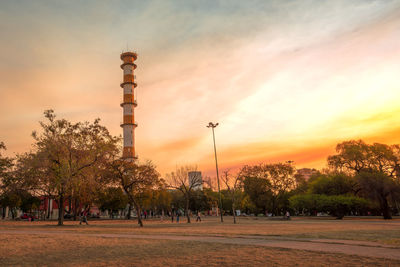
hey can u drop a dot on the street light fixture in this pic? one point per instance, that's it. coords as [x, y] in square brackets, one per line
[212, 126]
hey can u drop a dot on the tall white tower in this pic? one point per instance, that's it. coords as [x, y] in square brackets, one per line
[128, 104]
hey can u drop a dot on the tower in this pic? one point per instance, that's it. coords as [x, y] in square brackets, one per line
[128, 104]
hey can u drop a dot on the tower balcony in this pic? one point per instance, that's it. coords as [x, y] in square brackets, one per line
[130, 82]
[134, 103]
[128, 63]
[123, 123]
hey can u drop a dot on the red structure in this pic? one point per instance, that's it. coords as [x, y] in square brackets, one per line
[128, 104]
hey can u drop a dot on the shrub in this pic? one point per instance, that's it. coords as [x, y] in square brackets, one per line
[337, 206]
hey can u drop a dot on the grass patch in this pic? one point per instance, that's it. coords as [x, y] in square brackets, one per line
[68, 250]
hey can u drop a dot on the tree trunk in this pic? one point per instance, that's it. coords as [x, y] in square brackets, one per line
[385, 208]
[138, 211]
[48, 208]
[233, 211]
[187, 210]
[69, 205]
[139, 216]
[128, 216]
[76, 205]
[61, 210]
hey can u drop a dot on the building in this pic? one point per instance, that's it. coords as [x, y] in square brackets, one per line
[195, 180]
[128, 104]
[306, 173]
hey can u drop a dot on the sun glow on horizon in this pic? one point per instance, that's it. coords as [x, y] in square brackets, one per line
[286, 80]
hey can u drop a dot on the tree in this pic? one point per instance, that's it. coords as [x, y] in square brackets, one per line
[135, 179]
[29, 202]
[379, 186]
[6, 165]
[233, 184]
[6, 173]
[356, 156]
[67, 150]
[180, 180]
[334, 184]
[112, 199]
[32, 174]
[279, 180]
[163, 198]
[259, 192]
[337, 206]
[12, 200]
[374, 166]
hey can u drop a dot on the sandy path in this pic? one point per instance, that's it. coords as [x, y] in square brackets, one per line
[350, 247]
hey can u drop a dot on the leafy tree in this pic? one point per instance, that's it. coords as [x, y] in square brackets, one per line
[380, 187]
[6, 165]
[29, 202]
[278, 179]
[356, 156]
[334, 184]
[65, 151]
[112, 199]
[199, 201]
[163, 198]
[135, 179]
[374, 165]
[12, 200]
[259, 192]
[6, 175]
[212, 197]
[335, 205]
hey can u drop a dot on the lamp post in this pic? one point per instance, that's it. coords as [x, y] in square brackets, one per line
[212, 126]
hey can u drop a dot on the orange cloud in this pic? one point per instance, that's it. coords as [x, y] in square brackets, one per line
[182, 144]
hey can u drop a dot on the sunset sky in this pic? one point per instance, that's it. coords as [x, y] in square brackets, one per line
[286, 80]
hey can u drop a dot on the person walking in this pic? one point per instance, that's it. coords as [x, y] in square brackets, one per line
[177, 216]
[84, 217]
[198, 218]
[287, 215]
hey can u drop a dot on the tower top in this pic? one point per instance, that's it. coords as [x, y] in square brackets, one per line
[129, 54]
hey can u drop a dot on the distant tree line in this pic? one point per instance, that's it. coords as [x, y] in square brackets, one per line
[80, 164]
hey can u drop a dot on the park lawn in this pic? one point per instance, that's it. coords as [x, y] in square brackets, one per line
[387, 237]
[376, 230]
[70, 250]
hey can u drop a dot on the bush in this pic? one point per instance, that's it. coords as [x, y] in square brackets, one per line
[337, 206]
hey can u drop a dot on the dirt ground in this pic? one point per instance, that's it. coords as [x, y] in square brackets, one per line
[209, 243]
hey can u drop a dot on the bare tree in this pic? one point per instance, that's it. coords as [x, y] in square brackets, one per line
[181, 181]
[233, 184]
[210, 182]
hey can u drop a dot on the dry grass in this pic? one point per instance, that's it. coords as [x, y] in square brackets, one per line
[70, 250]
[387, 232]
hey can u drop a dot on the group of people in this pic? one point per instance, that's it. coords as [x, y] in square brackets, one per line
[178, 213]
